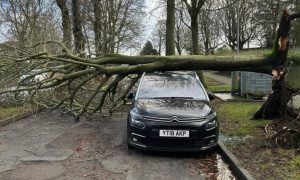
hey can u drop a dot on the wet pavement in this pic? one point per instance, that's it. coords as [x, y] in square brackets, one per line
[53, 146]
[230, 98]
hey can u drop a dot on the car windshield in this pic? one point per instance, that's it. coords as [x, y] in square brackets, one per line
[170, 85]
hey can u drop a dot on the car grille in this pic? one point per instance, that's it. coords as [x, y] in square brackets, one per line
[173, 119]
[175, 143]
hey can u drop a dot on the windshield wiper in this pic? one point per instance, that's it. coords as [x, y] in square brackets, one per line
[172, 97]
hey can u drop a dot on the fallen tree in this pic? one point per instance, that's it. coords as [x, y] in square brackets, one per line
[71, 74]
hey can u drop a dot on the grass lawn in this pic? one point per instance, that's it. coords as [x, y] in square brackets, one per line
[262, 161]
[237, 115]
[219, 88]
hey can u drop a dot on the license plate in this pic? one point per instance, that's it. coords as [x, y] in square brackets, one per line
[174, 133]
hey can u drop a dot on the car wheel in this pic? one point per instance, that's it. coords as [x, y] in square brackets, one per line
[128, 135]
[129, 146]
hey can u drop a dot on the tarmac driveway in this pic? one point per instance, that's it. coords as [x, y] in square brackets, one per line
[53, 146]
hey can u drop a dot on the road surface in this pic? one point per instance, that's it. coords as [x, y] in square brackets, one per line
[53, 146]
[226, 80]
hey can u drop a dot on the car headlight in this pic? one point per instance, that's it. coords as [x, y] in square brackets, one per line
[211, 116]
[136, 120]
[212, 121]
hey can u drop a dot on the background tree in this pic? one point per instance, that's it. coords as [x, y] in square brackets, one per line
[79, 40]
[116, 24]
[210, 30]
[170, 28]
[243, 11]
[182, 32]
[159, 35]
[297, 25]
[66, 23]
[148, 49]
[27, 22]
[193, 9]
[268, 15]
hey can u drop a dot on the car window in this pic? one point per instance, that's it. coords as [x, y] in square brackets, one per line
[170, 85]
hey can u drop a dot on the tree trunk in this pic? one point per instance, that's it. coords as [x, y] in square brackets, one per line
[111, 26]
[271, 41]
[66, 23]
[170, 28]
[79, 40]
[194, 10]
[195, 36]
[195, 39]
[97, 26]
[160, 43]
[276, 105]
[297, 26]
[177, 42]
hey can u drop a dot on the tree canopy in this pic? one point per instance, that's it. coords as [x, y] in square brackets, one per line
[148, 49]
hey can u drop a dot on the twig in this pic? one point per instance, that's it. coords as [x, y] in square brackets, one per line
[288, 127]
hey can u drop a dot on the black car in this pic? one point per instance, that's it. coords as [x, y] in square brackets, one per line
[171, 111]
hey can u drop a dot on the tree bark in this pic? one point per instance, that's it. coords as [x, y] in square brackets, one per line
[97, 26]
[170, 28]
[79, 40]
[297, 26]
[159, 43]
[66, 23]
[194, 10]
[195, 31]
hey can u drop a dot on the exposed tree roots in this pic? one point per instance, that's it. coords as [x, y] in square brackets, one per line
[276, 104]
[284, 131]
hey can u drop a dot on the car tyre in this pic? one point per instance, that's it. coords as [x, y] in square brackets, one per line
[129, 146]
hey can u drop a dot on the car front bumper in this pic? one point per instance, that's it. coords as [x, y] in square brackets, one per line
[149, 139]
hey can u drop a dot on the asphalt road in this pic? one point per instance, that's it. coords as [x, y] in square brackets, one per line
[53, 146]
[218, 77]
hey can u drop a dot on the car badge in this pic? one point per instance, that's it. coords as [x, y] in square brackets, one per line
[175, 118]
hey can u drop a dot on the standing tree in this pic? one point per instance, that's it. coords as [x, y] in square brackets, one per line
[297, 26]
[209, 28]
[79, 40]
[116, 24]
[238, 17]
[194, 11]
[66, 23]
[159, 35]
[148, 49]
[182, 38]
[267, 16]
[25, 23]
[170, 28]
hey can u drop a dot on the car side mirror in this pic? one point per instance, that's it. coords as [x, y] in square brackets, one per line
[131, 95]
[211, 96]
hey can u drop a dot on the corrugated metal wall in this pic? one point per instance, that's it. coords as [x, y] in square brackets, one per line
[250, 83]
